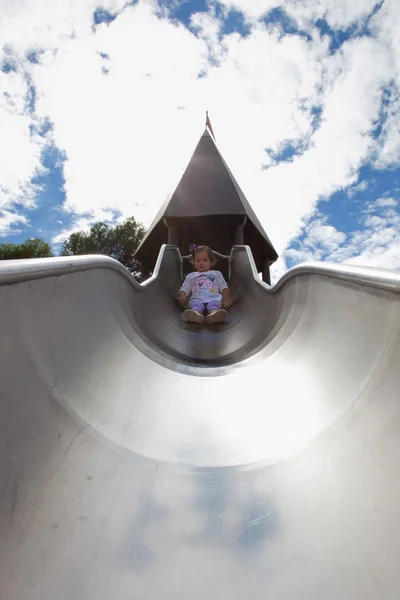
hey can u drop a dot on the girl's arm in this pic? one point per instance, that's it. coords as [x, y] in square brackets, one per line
[223, 287]
[185, 290]
[226, 298]
[182, 297]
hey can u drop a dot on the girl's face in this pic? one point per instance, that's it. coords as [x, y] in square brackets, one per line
[202, 262]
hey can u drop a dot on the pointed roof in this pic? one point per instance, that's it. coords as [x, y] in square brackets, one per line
[207, 188]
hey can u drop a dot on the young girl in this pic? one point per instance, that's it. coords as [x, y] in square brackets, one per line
[208, 289]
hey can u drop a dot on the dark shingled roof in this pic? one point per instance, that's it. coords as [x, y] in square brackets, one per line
[207, 189]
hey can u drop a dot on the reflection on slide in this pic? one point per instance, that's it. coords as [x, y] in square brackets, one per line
[144, 457]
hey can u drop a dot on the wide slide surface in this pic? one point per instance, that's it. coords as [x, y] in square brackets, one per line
[145, 458]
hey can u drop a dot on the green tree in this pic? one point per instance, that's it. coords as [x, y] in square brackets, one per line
[119, 242]
[32, 248]
[126, 239]
[97, 241]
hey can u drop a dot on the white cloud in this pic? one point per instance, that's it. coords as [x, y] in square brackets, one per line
[123, 135]
[386, 26]
[9, 222]
[389, 143]
[117, 133]
[252, 9]
[208, 26]
[387, 257]
[374, 221]
[351, 103]
[386, 202]
[375, 243]
[359, 187]
[297, 255]
[278, 269]
[20, 149]
[128, 123]
[84, 224]
[320, 241]
[81, 224]
[47, 24]
[325, 235]
[340, 14]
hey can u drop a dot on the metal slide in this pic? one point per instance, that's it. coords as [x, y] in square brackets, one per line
[145, 458]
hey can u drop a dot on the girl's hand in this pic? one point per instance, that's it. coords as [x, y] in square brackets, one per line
[182, 300]
[226, 304]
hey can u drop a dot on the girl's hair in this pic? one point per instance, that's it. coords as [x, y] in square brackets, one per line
[196, 249]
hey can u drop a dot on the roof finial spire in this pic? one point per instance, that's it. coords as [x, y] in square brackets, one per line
[209, 126]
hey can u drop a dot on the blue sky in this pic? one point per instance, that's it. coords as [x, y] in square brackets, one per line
[103, 103]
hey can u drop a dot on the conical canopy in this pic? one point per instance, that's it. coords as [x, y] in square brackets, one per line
[207, 207]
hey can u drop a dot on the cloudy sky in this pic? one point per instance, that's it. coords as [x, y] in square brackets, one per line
[102, 104]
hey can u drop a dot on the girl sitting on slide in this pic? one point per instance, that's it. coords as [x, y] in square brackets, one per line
[208, 290]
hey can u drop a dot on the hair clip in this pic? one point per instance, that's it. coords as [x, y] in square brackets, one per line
[192, 247]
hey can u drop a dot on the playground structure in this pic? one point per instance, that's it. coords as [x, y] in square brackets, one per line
[143, 457]
[208, 207]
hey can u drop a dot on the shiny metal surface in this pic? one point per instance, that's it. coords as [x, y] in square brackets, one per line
[142, 457]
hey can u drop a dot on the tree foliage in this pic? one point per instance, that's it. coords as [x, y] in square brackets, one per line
[32, 248]
[119, 242]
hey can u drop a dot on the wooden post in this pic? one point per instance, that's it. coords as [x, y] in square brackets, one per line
[172, 234]
[145, 273]
[266, 275]
[239, 233]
